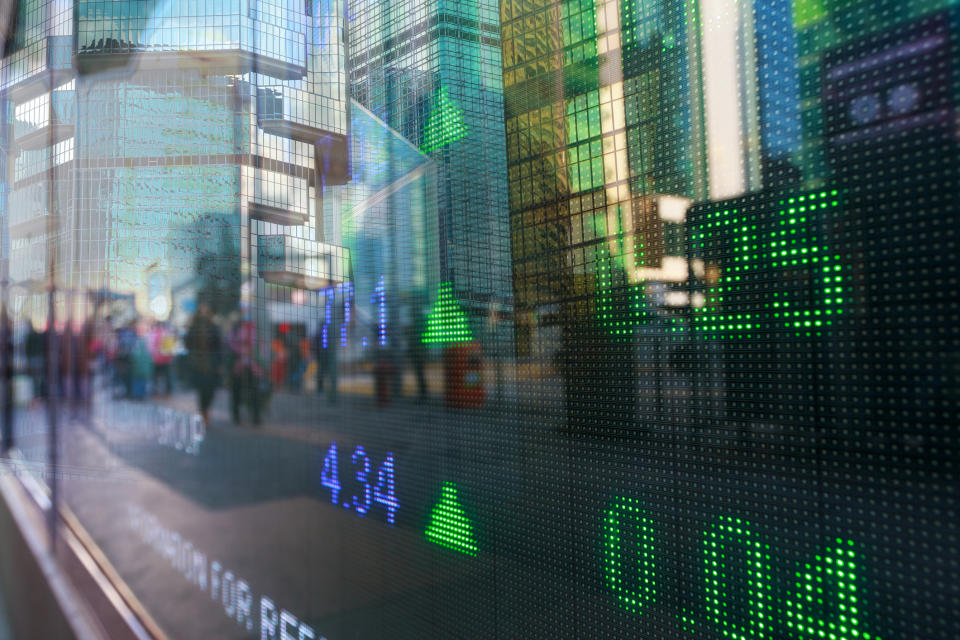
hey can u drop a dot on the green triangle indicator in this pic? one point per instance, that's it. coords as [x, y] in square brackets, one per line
[449, 525]
[807, 12]
[444, 124]
[447, 322]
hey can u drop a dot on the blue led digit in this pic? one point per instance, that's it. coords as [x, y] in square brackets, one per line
[363, 473]
[379, 298]
[384, 491]
[347, 289]
[329, 476]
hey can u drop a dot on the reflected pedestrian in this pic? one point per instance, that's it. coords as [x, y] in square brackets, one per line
[295, 362]
[35, 347]
[126, 339]
[246, 375]
[82, 350]
[278, 364]
[325, 351]
[6, 379]
[141, 366]
[203, 357]
[163, 345]
[417, 354]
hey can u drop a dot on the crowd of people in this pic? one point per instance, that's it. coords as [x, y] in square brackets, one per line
[138, 358]
[141, 358]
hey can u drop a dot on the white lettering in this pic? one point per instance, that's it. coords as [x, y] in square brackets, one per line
[214, 578]
[268, 619]
[244, 601]
[232, 591]
[198, 432]
[184, 564]
[287, 619]
[229, 597]
[200, 569]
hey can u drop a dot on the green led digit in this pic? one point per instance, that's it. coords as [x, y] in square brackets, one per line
[623, 515]
[620, 308]
[825, 603]
[731, 540]
[791, 247]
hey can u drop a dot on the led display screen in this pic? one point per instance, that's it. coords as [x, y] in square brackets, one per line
[518, 319]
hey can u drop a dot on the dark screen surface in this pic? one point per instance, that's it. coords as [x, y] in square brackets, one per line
[613, 319]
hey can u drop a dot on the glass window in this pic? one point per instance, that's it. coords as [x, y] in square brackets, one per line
[349, 319]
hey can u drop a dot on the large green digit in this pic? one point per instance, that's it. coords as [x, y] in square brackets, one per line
[778, 243]
[794, 248]
[731, 540]
[632, 590]
[825, 603]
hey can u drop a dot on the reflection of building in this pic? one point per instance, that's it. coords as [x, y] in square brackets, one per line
[822, 25]
[165, 128]
[890, 107]
[616, 121]
[432, 72]
[385, 217]
[611, 109]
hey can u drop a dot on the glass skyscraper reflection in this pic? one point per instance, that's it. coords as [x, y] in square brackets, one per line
[431, 70]
[190, 118]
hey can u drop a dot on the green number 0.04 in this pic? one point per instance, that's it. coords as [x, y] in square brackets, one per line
[824, 603]
[624, 513]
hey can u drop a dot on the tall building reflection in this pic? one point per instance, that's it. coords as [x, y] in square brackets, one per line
[174, 135]
[431, 71]
[619, 116]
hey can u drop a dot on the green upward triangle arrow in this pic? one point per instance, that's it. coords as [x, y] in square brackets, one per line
[447, 322]
[444, 124]
[449, 525]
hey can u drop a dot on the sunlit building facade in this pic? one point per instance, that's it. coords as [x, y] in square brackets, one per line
[185, 139]
[609, 125]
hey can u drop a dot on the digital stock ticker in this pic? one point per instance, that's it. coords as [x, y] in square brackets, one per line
[409, 319]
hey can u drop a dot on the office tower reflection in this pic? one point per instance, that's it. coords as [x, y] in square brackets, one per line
[432, 73]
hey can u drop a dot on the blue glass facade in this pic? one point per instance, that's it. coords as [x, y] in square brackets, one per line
[435, 66]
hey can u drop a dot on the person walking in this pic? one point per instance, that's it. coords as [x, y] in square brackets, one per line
[417, 354]
[162, 347]
[295, 361]
[246, 374]
[35, 348]
[325, 352]
[203, 357]
[126, 340]
[141, 365]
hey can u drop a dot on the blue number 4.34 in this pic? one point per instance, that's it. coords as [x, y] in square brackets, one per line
[383, 492]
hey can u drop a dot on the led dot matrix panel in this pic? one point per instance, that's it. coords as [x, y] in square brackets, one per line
[560, 319]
